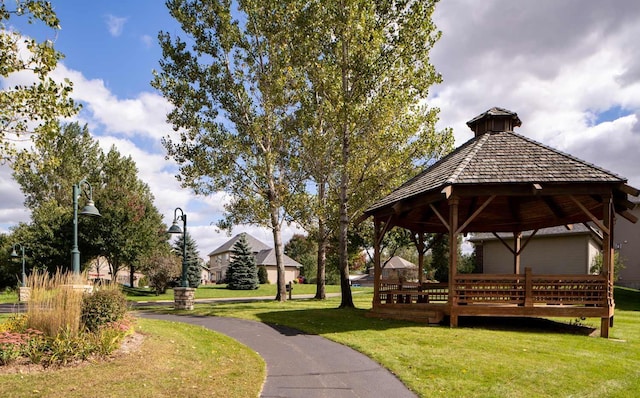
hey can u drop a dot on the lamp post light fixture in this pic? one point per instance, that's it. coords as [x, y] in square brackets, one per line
[88, 210]
[14, 254]
[175, 229]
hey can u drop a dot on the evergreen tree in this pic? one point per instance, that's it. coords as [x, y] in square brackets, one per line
[194, 275]
[263, 275]
[243, 272]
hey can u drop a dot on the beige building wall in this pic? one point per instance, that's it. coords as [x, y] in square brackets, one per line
[290, 274]
[218, 265]
[627, 237]
[544, 255]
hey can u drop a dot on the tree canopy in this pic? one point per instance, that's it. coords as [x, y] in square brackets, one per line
[229, 78]
[30, 109]
[130, 227]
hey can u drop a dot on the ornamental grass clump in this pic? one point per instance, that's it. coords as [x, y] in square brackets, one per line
[64, 323]
[55, 303]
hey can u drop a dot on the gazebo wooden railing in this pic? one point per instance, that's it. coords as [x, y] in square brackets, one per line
[502, 295]
[529, 290]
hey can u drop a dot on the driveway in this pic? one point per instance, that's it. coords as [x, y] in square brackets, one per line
[303, 365]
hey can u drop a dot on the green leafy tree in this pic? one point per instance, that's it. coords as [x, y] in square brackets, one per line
[161, 268]
[194, 273]
[130, 227]
[618, 265]
[30, 110]
[303, 250]
[232, 87]
[242, 273]
[46, 176]
[368, 74]
[263, 275]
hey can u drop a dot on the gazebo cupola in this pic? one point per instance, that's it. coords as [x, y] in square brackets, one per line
[494, 120]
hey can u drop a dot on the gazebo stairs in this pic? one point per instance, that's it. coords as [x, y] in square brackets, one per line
[422, 313]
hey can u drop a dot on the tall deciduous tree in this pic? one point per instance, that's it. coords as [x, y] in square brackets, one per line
[232, 86]
[194, 273]
[369, 74]
[130, 226]
[30, 109]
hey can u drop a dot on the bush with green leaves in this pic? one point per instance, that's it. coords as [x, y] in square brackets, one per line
[263, 276]
[102, 307]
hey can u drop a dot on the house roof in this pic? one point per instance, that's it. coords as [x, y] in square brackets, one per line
[268, 257]
[501, 158]
[397, 262]
[578, 229]
[255, 245]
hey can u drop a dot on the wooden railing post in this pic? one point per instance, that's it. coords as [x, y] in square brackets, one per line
[528, 287]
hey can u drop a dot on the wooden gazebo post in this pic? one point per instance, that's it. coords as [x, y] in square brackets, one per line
[453, 259]
[607, 262]
[377, 238]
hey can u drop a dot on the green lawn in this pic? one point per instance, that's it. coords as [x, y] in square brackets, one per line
[175, 359]
[494, 360]
[221, 291]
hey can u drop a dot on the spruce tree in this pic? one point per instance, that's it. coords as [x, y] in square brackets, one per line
[194, 274]
[243, 272]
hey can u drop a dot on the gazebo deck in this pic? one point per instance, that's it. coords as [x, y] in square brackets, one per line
[496, 295]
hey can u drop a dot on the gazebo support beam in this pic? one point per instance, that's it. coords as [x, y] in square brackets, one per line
[453, 259]
[607, 263]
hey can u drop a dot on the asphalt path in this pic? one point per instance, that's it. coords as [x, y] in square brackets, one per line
[303, 365]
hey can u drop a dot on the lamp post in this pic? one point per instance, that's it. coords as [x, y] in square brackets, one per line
[14, 254]
[175, 229]
[88, 210]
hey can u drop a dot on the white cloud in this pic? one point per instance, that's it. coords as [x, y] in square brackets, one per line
[557, 64]
[115, 24]
[147, 41]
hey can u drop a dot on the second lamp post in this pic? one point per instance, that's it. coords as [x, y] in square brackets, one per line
[89, 210]
[175, 229]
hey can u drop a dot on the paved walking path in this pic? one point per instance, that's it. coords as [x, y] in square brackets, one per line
[303, 365]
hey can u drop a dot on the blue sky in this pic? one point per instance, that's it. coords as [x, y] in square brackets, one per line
[570, 69]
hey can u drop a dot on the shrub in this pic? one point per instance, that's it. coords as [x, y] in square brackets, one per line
[263, 276]
[102, 307]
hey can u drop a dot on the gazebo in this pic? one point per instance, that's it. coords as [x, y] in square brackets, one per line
[501, 181]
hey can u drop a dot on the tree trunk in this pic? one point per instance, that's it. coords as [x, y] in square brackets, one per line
[322, 240]
[132, 271]
[281, 293]
[345, 286]
[322, 262]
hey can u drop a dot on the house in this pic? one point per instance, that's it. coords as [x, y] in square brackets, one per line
[98, 269]
[220, 258]
[550, 251]
[397, 268]
[627, 243]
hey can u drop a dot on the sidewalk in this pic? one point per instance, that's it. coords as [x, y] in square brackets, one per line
[302, 365]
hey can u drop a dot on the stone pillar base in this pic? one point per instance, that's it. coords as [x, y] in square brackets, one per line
[183, 298]
[24, 293]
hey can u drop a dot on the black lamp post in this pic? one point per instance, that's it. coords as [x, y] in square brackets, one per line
[14, 254]
[89, 210]
[175, 229]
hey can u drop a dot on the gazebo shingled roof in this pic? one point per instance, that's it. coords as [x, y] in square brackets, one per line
[500, 181]
[538, 180]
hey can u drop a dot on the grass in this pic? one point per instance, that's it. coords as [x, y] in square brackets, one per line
[221, 291]
[473, 361]
[175, 360]
[497, 359]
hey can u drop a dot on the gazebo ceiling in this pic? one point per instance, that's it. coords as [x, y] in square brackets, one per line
[527, 185]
